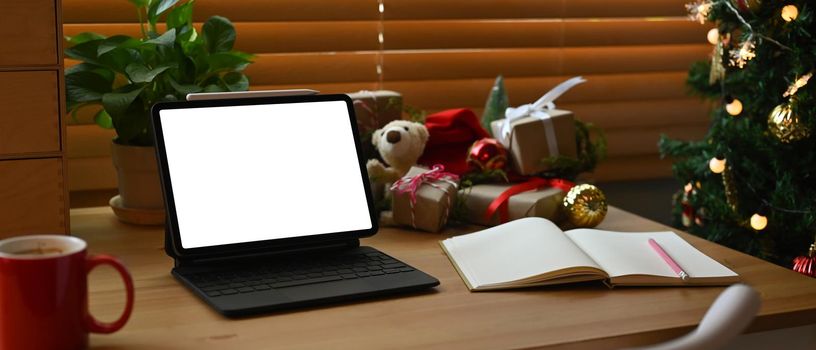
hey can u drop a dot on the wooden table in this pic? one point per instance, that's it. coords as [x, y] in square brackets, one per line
[168, 316]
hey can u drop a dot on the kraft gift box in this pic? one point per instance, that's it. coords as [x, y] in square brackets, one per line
[528, 144]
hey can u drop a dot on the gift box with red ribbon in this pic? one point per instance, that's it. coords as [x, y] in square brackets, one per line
[493, 204]
[423, 198]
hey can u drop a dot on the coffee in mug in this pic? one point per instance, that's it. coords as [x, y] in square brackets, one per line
[44, 293]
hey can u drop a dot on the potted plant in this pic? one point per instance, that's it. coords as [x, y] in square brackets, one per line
[126, 76]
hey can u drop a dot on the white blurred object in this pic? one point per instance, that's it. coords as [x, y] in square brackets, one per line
[727, 317]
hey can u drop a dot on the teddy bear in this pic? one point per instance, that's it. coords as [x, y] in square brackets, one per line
[400, 143]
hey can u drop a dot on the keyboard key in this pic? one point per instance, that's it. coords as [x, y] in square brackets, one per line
[393, 266]
[348, 276]
[229, 291]
[214, 293]
[284, 279]
[214, 287]
[252, 283]
[304, 282]
[246, 289]
[406, 269]
[236, 285]
[330, 273]
[363, 274]
[391, 271]
[389, 261]
[345, 271]
[360, 269]
[314, 275]
[373, 268]
[261, 287]
[377, 273]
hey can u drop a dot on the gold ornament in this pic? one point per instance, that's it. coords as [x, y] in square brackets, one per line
[730, 188]
[585, 205]
[786, 125]
[717, 69]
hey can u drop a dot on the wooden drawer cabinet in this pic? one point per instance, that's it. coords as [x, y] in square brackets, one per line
[25, 126]
[29, 33]
[33, 197]
[33, 191]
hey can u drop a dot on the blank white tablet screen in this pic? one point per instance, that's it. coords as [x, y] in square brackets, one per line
[259, 172]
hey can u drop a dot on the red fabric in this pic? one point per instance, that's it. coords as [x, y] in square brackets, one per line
[451, 132]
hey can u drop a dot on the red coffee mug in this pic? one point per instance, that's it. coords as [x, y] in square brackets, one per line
[44, 293]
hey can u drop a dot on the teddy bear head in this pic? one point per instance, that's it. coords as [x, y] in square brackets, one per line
[401, 142]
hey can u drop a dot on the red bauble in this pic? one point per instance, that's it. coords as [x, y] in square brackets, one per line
[806, 265]
[487, 154]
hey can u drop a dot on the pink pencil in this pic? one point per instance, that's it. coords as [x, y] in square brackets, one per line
[668, 259]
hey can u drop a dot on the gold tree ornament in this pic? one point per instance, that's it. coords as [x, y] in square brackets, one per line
[730, 188]
[786, 125]
[585, 205]
[717, 72]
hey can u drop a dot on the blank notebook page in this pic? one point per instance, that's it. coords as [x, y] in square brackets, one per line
[621, 254]
[513, 251]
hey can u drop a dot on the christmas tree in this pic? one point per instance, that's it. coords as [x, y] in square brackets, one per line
[750, 184]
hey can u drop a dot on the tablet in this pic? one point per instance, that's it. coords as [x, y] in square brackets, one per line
[253, 174]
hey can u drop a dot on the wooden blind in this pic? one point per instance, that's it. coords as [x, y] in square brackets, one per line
[445, 54]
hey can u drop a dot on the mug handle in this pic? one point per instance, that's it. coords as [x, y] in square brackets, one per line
[95, 325]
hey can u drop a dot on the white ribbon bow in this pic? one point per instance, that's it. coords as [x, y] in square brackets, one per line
[538, 110]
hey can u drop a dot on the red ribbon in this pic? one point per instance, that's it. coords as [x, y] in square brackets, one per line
[500, 203]
[411, 184]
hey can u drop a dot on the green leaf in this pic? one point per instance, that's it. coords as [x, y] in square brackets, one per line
[139, 73]
[119, 58]
[235, 81]
[116, 103]
[213, 88]
[83, 38]
[166, 39]
[183, 89]
[219, 34]
[226, 61]
[103, 119]
[87, 67]
[86, 51]
[117, 41]
[158, 7]
[180, 16]
[84, 86]
[132, 125]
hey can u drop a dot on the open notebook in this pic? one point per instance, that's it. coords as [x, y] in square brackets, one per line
[534, 252]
